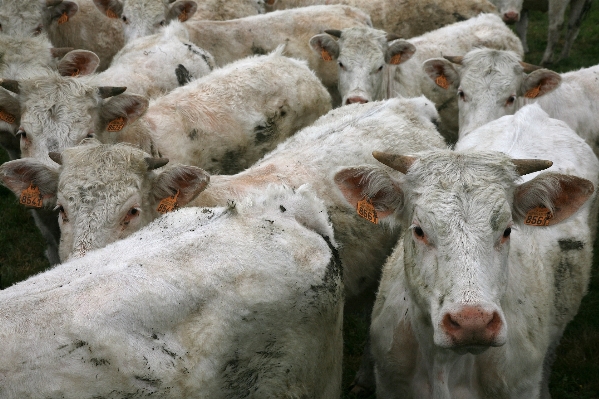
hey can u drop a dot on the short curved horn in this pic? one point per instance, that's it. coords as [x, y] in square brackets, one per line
[333, 32]
[10, 85]
[526, 166]
[529, 67]
[155, 163]
[456, 59]
[392, 36]
[400, 163]
[51, 3]
[59, 52]
[56, 157]
[110, 91]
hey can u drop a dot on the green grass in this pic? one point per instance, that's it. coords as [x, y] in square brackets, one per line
[576, 370]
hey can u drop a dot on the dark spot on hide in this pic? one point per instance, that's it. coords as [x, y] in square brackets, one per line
[459, 17]
[268, 132]
[193, 50]
[563, 272]
[183, 75]
[193, 135]
[148, 380]
[99, 362]
[282, 208]
[570, 245]
[79, 344]
[232, 162]
[441, 301]
[170, 353]
[154, 336]
[258, 50]
[332, 277]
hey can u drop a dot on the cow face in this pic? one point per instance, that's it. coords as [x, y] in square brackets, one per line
[460, 209]
[362, 56]
[25, 18]
[489, 84]
[58, 112]
[146, 17]
[104, 192]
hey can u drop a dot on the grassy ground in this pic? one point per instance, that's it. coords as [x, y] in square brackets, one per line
[576, 371]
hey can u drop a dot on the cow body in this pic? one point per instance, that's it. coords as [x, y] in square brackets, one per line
[223, 10]
[227, 120]
[524, 284]
[373, 65]
[407, 18]
[229, 41]
[204, 303]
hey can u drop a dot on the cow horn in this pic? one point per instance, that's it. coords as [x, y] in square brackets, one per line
[59, 52]
[51, 3]
[400, 163]
[110, 91]
[392, 36]
[333, 32]
[529, 67]
[155, 163]
[56, 157]
[10, 85]
[456, 59]
[526, 166]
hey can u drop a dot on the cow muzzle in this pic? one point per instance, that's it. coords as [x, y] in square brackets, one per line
[511, 17]
[473, 328]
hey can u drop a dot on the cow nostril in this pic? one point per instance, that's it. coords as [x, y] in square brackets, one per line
[511, 17]
[495, 324]
[354, 100]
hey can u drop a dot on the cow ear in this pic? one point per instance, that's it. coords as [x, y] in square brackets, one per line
[550, 198]
[371, 184]
[399, 51]
[122, 110]
[110, 8]
[62, 11]
[30, 174]
[442, 72]
[325, 46]
[540, 82]
[182, 10]
[184, 182]
[78, 63]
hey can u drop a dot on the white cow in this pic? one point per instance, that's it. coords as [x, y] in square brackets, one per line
[373, 65]
[461, 311]
[516, 11]
[405, 18]
[222, 10]
[491, 84]
[232, 40]
[229, 119]
[240, 301]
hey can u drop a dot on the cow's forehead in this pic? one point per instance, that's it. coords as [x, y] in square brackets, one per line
[57, 90]
[143, 7]
[491, 65]
[362, 38]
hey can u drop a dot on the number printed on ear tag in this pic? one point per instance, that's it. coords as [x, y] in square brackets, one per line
[32, 197]
[168, 204]
[366, 210]
[538, 216]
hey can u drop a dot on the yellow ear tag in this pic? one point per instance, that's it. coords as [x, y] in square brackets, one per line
[6, 117]
[183, 16]
[31, 196]
[366, 210]
[63, 18]
[395, 60]
[441, 81]
[538, 216]
[116, 125]
[168, 204]
[532, 93]
[111, 14]
[325, 55]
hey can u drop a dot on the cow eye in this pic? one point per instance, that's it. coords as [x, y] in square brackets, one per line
[37, 30]
[380, 68]
[131, 214]
[125, 20]
[62, 213]
[90, 135]
[162, 23]
[22, 133]
[507, 232]
[341, 65]
[461, 95]
[419, 232]
[510, 101]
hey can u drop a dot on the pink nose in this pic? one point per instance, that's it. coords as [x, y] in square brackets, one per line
[511, 17]
[472, 325]
[353, 100]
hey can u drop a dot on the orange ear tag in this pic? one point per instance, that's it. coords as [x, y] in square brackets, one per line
[395, 60]
[111, 14]
[366, 210]
[6, 117]
[183, 16]
[532, 93]
[116, 125]
[441, 81]
[325, 55]
[63, 18]
[32, 197]
[539, 216]
[168, 204]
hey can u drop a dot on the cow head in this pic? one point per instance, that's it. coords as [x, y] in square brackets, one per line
[58, 112]
[489, 84]
[104, 192]
[20, 18]
[509, 10]
[461, 209]
[362, 55]
[145, 17]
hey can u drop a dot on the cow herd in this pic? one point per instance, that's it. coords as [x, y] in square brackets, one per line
[220, 182]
